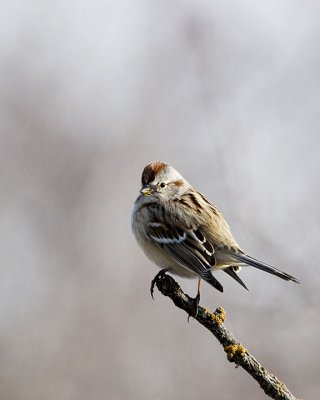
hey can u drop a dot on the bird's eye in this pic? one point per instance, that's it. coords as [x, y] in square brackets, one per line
[162, 184]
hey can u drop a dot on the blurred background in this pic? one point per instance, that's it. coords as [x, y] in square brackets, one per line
[225, 91]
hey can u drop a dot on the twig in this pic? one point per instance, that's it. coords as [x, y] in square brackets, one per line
[236, 353]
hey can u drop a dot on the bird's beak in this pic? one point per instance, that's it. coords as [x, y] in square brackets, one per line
[146, 190]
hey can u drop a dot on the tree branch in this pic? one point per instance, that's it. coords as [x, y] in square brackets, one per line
[236, 353]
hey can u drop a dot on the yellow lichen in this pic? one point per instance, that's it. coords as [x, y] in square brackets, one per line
[219, 316]
[234, 349]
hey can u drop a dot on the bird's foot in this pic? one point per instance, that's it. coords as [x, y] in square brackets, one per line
[159, 275]
[196, 301]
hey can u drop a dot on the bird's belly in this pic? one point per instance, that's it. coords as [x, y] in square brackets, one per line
[163, 260]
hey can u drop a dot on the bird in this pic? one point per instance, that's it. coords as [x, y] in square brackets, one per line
[183, 233]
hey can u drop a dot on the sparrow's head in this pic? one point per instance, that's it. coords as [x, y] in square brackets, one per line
[162, 181]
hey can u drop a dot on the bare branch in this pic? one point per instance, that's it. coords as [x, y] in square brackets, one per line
[236, 353]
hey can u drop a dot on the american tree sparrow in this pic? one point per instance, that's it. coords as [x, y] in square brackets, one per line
[183, 233]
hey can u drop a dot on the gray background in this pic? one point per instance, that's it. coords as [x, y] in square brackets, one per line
[228, 93]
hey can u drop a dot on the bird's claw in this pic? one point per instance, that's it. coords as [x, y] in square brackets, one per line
[196, 301]
[160, 274]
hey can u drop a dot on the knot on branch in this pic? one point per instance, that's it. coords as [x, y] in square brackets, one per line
[165, 284]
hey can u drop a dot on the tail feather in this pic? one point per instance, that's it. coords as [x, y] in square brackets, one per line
[264, 267]
[208, 277]
[230, 271]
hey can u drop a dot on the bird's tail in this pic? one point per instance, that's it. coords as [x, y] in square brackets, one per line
[231, 272]
[264, 267]
[208, 277]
